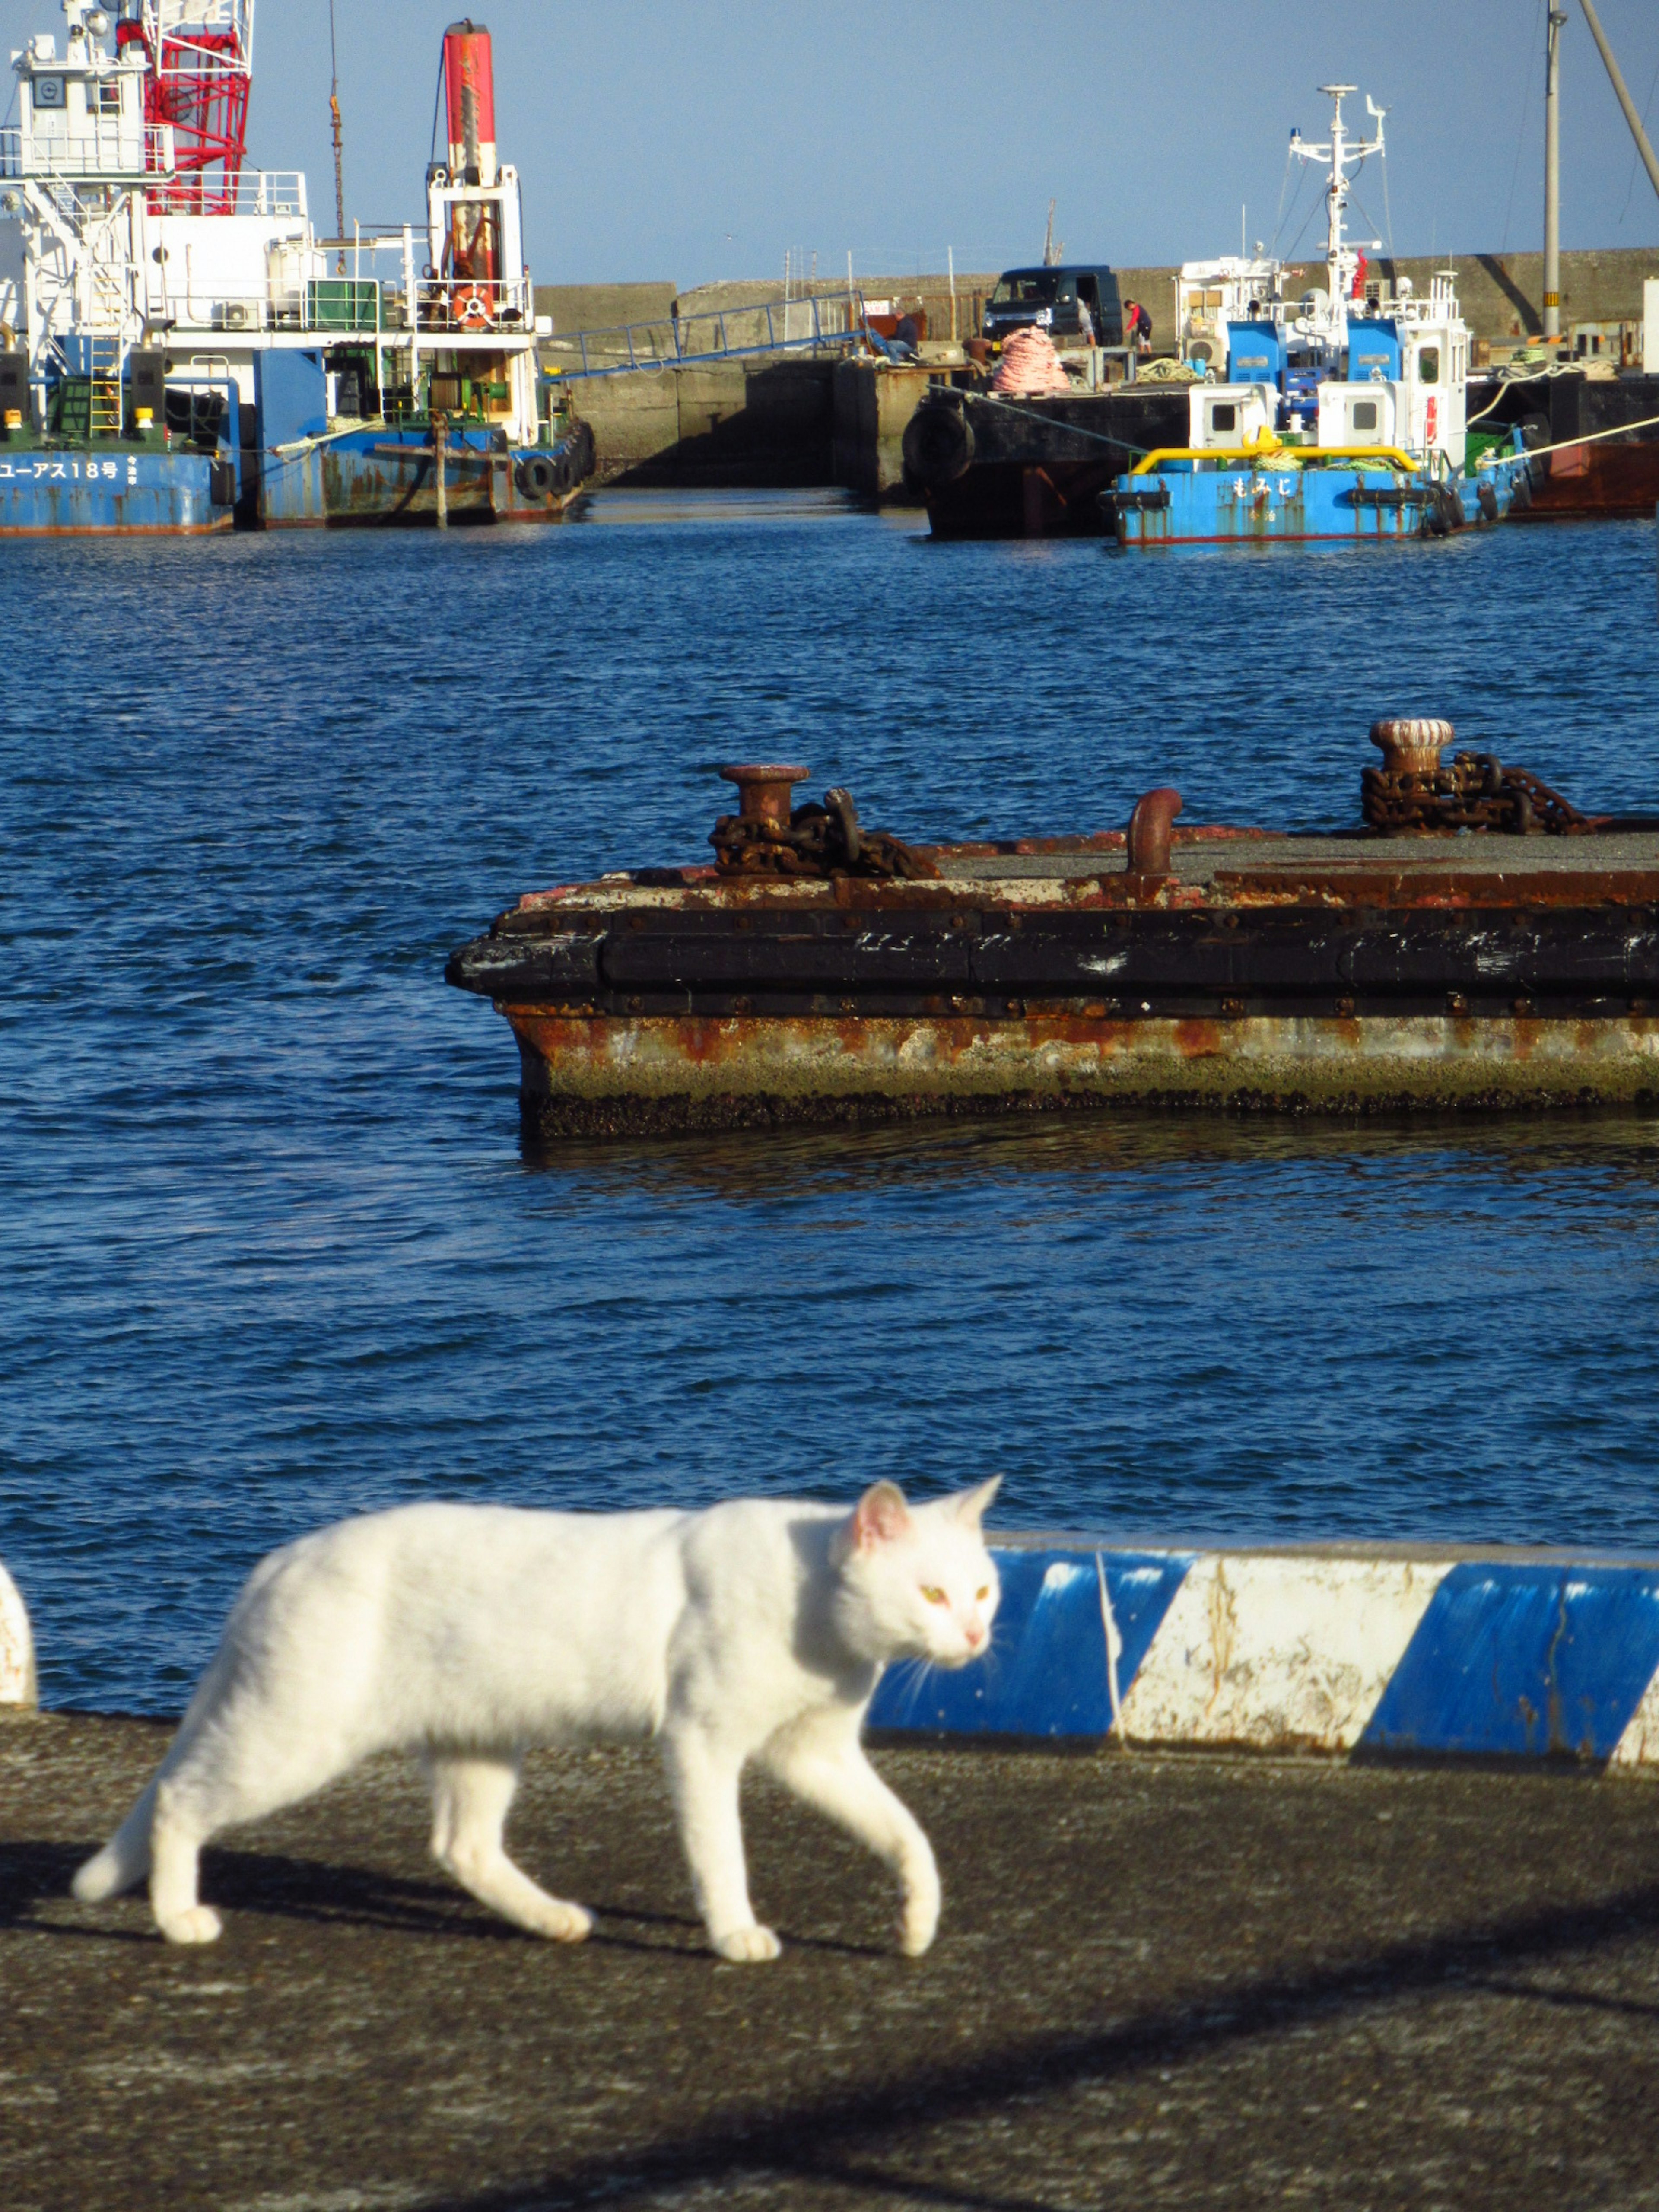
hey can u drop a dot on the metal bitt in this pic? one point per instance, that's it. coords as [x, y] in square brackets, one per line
[1411, 744]
[765, 791]
[1150, 831]
[1552, 176]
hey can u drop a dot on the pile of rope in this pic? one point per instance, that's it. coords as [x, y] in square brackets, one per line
[1475, 792]
[1166, 371]
[822, 842]
[1030, 367]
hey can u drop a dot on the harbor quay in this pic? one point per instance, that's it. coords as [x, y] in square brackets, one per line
[789, 420]
[1391, 1940]
[1179, 1981]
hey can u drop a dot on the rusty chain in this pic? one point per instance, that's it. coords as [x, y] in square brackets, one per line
[822, 842]
[1475, 792]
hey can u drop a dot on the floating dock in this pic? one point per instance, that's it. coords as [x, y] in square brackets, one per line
[1159, 965]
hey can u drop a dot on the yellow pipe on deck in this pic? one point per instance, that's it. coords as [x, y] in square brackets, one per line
[1297, 456]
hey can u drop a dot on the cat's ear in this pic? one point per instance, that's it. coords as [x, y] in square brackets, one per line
[973, 1505]
[881, 1516]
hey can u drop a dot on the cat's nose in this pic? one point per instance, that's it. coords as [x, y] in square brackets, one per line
[975, 1633]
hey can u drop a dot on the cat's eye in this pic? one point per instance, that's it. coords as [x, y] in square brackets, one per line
[933, 1596]
[982, 1595]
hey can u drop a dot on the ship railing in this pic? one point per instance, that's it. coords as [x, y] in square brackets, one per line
[336, 307]
[111, 148]
[277, 194]
[818, 323]
[472, 305]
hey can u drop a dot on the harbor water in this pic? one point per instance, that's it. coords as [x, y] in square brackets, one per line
[270, 1250]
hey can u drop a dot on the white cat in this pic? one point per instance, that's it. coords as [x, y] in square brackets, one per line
[467, 1634]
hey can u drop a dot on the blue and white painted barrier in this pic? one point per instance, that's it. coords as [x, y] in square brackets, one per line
[1360, 1649]
[16, 1649]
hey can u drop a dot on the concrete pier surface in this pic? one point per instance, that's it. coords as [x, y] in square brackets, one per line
[1160, 1980]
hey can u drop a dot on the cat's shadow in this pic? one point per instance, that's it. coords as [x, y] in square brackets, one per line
[279, 1886]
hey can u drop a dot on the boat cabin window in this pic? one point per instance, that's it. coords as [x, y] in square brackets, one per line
[1365, 414]
[1224, 415]
[1428, 364]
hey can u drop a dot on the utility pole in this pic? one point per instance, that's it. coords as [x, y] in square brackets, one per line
[1552, 177]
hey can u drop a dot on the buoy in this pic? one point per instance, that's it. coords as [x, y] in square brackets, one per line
[18, 1691]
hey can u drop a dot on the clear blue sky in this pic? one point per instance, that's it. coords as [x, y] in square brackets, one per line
[702, 139]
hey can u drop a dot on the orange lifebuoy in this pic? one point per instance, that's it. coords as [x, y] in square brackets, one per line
[473, 309]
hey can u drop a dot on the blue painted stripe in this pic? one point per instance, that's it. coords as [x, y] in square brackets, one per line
[1046, 1673]
[1524, 1660]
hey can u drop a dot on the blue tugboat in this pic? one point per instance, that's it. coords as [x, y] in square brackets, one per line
[1342, 415]
[181, 353]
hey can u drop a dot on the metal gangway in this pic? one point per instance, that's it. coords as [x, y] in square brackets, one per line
[814, 322]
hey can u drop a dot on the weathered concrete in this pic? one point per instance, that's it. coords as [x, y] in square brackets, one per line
[1160, 1981]
[757, 423]
[603, 307]
[873, 405]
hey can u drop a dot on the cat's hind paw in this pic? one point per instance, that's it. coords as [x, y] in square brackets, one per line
[748, 1945]
[562, 1923]
[196, 1923]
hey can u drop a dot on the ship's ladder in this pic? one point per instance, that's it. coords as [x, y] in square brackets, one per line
[104, 366]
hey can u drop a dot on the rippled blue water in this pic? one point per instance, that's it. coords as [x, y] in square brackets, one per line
[268, 1250]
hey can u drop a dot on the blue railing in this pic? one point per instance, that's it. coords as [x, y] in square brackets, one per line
[816, 323]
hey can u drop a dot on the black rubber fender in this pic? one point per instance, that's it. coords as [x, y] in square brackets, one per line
[938, 443]
[1486, 499]
[537, 476]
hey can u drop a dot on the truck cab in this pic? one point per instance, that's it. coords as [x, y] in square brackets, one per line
[1074, 302]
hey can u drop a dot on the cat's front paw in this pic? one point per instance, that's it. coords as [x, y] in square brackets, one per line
[748, 1945]
[196, 1923]
[918, 1923]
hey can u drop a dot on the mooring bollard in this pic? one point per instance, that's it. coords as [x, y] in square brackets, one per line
[18, 1691]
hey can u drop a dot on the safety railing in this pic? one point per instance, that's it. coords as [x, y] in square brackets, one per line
[820, 322]
[331, 306]
[277, 193]
[473, 305]
[100, 147]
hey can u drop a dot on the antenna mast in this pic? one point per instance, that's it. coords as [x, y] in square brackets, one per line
[1051, 252]
[334, 117]
[1343, 153]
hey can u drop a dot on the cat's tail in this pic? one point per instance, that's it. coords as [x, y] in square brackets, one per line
[124, 1860]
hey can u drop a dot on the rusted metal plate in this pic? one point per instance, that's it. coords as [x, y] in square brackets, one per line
[609, 1073]
[682, 998]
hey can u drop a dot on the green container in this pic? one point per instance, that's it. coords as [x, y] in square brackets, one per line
[343, 303]
[1483, 442]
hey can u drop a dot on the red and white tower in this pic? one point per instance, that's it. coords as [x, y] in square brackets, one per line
[199, 56]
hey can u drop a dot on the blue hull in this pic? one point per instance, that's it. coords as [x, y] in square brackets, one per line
[121, 492]
[1239, 503]
[383, 477]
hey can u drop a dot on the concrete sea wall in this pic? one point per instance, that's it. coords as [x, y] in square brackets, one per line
[1390, 1651]
[795, 422]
